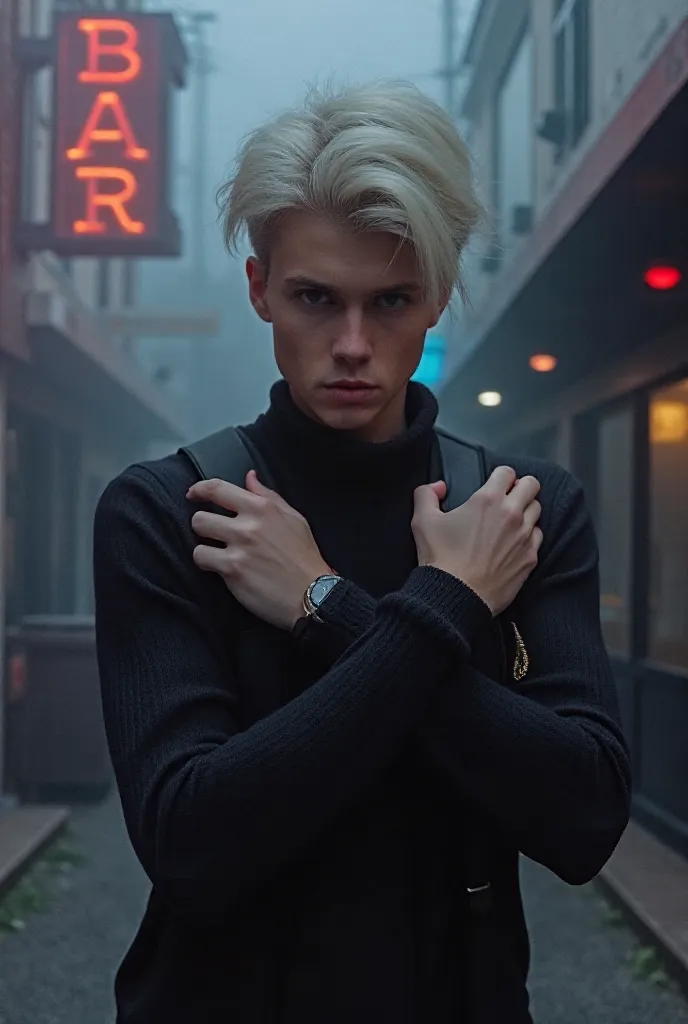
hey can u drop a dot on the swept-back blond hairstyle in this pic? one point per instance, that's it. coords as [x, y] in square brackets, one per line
[382, 157]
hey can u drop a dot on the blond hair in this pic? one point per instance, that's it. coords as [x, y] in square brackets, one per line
[382, 157]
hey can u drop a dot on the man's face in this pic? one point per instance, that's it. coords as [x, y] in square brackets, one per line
[349, 320]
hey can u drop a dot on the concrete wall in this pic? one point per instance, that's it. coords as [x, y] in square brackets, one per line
[35, 19]
[97, 284]
[626, 38]
[99, 465]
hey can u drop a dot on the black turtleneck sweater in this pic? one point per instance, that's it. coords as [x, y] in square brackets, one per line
[357, 496]
[298, 804]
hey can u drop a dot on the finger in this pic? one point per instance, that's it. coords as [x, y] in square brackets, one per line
[500, 481]
[212, 526]
[531, 515]
[208, 558]
[224, 494]
[426, 500]
[254, 485]
[537, 538]
[524, 491]
[440, 489]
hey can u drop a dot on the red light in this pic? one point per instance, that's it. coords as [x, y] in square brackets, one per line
[662, 278]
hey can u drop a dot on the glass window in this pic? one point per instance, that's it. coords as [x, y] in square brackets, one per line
[514, 139]
[614, 523]
[572, 68]
[668, 610]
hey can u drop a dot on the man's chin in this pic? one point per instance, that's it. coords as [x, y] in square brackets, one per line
[350, 419]
[347, 419]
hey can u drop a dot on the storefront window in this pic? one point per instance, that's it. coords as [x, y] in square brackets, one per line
[43, 525]
[668, 625]
[614, 519]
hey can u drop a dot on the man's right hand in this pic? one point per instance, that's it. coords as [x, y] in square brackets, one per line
[491, 542]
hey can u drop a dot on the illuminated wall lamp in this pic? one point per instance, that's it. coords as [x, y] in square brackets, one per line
[668, 422]
[542, 363]
[490, 398]
[662, 277]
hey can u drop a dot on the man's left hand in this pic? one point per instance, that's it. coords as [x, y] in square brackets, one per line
[269, 557]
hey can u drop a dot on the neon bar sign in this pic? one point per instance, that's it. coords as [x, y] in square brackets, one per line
[110, 155]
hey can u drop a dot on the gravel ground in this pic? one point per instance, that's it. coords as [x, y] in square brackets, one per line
[58, 968]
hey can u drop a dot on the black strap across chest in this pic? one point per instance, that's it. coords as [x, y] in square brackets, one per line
[229, 455]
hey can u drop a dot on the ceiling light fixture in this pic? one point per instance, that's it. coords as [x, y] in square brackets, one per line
[490, 398]
[543, 363]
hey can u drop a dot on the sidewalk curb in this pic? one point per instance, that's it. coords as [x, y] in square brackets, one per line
[647, 929]
[50, 823]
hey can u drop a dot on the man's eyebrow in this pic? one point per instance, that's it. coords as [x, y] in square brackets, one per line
[301, 281]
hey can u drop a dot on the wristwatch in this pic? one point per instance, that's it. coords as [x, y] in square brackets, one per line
[316, 594]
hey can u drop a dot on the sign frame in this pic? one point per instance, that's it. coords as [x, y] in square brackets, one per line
[165, 239]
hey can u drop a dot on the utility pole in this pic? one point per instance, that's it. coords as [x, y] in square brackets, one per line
[192, 23]
[195, 371]
[203, 68]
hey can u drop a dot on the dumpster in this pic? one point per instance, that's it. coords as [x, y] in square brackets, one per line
[56, 750]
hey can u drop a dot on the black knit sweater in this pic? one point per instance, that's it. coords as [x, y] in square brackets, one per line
[299, 804]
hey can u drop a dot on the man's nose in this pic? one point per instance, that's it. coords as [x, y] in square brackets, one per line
[352, 343]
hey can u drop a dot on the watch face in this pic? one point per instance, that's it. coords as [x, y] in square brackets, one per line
[321, 588]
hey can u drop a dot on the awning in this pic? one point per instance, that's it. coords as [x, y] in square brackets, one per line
[70, 347]
[576, 288]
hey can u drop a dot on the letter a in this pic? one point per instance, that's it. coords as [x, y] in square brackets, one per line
[122, 133]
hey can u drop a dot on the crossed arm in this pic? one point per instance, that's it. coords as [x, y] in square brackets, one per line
[545, 762]
[214, 811]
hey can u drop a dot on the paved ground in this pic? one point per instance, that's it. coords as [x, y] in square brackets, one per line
[58, 968]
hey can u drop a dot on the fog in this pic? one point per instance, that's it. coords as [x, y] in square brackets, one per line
[263, 57]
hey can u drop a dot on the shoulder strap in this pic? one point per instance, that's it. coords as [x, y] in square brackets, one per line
[460, 465]
[227, 454]
[463, 467]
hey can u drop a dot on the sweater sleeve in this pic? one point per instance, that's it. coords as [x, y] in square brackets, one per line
[214, 812]
[546, 762]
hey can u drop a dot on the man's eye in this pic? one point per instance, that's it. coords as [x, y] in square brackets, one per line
[313, 296]
[393, 300]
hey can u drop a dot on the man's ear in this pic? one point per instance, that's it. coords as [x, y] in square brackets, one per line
[256, 272]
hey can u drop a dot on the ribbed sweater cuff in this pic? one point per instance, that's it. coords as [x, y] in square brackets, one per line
[349, 609]
[442, 604]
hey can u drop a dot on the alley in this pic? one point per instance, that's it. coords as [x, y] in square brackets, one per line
[58, 968]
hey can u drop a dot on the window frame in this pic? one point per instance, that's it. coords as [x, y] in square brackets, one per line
[525, 33]
[667, 668]
[571, 84]
[591, 432]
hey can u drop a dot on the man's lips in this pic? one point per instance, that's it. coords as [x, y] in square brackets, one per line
[350, 391]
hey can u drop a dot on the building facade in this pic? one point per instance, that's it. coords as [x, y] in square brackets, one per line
[577, 340]
[76, 405]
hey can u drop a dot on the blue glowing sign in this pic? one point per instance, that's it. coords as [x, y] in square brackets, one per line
[431, 367]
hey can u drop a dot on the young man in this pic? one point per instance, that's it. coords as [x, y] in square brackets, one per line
[305, 701]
